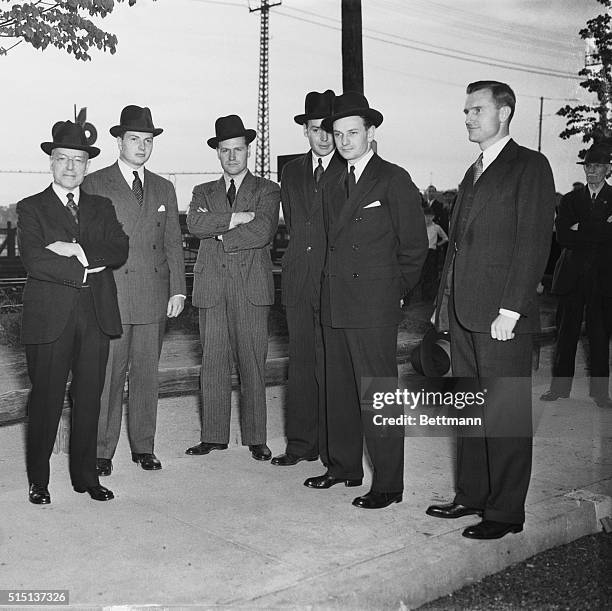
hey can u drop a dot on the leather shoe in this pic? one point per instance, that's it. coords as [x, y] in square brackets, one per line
[603, 401]
[288, 460]
[489, 529]
[260, 451]
[452, 510]
[205, 448]
[551, 395]
[327, 481]
[39, 494]
[104, 466]
[149, 462]
[97, 493]
[377, 500]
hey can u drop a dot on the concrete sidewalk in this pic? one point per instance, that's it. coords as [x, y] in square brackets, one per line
[225, 530]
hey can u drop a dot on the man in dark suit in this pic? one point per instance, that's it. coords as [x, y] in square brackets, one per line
[376, 245]
[499, 241]
[150, 287]
[68, 242]
[235, 218]
[583, 279]
[302, 183]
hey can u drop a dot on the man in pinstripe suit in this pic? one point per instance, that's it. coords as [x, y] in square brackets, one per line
[235, 218]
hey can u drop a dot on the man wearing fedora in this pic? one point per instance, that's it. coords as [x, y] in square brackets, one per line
[150, 287]
[235, 218]
[302, 183]
[499, 243]
[68, 241]
[376, 245]
[583, 279]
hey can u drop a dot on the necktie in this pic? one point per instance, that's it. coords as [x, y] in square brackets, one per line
[137, 188]
[478, 169]
[72, 206]
[318, 171]
[231, 193]
[350, 181]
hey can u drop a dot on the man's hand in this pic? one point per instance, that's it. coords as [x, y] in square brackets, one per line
[502, 328]
[69, 249]
[176, 304]
[241, 218]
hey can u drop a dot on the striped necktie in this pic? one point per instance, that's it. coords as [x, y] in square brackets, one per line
[478, 169]
[137, 188]
[72, 206]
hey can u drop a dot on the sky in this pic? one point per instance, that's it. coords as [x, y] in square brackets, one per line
[192, 61]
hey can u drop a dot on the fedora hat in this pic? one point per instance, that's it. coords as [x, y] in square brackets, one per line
[69, 135]
[135, 119]
[598, 153]
[230, 127]
[431, 357]
[350, 104]
[316, 106]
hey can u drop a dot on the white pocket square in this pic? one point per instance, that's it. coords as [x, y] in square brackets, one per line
[373, 205]
[162, 208]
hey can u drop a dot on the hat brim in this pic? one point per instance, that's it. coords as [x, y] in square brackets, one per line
[119, 130]
[47, 147]
[375, 117]
[249, 136]
[301, 119]
[431, 357]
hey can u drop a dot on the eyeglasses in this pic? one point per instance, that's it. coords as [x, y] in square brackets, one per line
[78, 162]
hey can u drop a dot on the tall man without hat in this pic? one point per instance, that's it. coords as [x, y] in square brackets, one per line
[376, 245]
[498, 247]
[583, 279]
[302, 184]
[68, 241]
[235, 218]
[150, 287]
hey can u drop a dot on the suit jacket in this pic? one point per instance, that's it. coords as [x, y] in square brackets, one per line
[248, 245]
[587, 251]
[500, 257]
[377, 243]
[302, 205]
[155, 269]
[54, 281]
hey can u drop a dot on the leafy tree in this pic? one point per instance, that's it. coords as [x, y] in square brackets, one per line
[65, 24]
[594, 122]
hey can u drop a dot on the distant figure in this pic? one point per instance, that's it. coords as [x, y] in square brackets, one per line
[68, 241]
[235, 218]
[436, 238]
[583, 279]
[440, 209]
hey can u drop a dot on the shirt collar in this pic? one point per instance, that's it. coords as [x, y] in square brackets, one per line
[128, 172]
[238, 178]
[591, 191]
[62, 193]
[324, 160]
[360, 164]
[489, 155]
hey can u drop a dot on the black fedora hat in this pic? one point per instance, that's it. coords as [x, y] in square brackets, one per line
[135, 119]
[598, 153]
[350, 104]
[69, 135]
[431, 357]
[230, 127]
[316, 106]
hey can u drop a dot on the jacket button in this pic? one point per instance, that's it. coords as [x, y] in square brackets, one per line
[332, 248]
[74, 240]
[355, 275]
[154, 247]
[126, 271]
[308, 223]
[359, 218]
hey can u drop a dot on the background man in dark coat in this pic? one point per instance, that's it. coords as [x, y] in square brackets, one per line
[68, 242]
[376, 245]
[302, 183]
[499, 242]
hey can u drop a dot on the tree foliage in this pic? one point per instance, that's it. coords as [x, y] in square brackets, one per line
[592, 122]
[64, 24]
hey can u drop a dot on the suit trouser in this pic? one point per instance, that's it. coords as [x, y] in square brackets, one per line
[350, 355]
[82, 348]
[305, 415]
[137, 350]
[493, 472]
[234, 329]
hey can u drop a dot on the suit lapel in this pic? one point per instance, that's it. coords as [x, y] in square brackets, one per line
[59, 211]
[126, 200]
[245, 193]
[308, 184]
[218, 196]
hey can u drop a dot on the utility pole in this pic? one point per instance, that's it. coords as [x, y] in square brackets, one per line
[540, 125]
[352, 48]
[262, 157]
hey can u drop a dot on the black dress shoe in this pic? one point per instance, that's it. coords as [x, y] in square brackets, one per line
[551, 395]
[452, 510]
[603, 401]
[377, 500]
[489, 529]
[149, 462]
[205, 448]
[104, 466]
[288, 460]
[260, 451]
[39, 494]
[97, 493]
[327, 481]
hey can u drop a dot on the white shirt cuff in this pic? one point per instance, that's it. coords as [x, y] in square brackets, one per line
[509, 313]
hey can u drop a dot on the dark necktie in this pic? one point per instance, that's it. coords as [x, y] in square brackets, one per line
[318, 171]
[137, 188]
[72, 206]
[350, 181]
[231, 193]
[478, 169]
